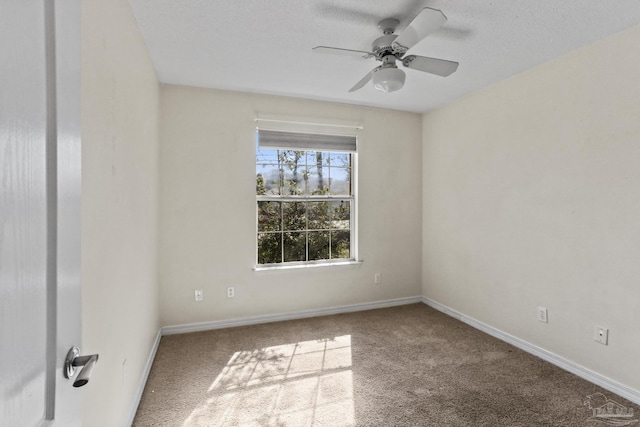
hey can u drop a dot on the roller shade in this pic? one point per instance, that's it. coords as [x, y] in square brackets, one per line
[306, 141]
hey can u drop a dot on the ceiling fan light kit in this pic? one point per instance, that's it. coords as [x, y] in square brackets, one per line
[389, 79]
[390, 48]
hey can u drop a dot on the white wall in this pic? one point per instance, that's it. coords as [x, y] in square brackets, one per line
[120, 101]
[531, 198]
[208, 209]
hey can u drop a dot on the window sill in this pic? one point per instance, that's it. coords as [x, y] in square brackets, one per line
[259, 269]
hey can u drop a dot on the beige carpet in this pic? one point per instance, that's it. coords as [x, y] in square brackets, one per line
[400, 366]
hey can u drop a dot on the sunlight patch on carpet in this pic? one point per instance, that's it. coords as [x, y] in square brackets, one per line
[309, 383]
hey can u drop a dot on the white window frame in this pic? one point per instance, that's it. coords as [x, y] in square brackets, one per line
[328, 146]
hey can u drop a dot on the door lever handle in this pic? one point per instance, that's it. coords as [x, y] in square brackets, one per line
[73, 361]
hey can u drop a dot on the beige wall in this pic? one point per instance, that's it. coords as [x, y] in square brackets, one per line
[208, 209]
[119, 208]
[531, 197]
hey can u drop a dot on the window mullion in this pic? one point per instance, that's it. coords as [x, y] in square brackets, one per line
[281, 232]
[306, 231]
[306, 207]
[276, 198]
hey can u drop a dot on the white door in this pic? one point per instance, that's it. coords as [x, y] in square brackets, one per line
[39, 210]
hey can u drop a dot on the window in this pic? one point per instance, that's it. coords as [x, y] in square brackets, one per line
[304, 197]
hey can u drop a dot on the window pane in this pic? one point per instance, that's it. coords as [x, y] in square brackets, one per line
[293, 164]
[295, 246]
[294, 171]
[269, 248]
[342, 160]
[294, 215]
[292, 157]
[318, 183]
[340, 181]
[341, 214]
[317, 158]
[318, 245]
[267, 179]
[265, 155]
[319, 215]
[340, 244]
[269, 216]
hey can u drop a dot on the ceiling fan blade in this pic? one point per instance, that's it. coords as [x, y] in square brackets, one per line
[440, 67]
[345, 52]
[364, 80]
[425, 23]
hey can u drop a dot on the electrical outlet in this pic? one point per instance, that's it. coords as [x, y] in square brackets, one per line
[542, 314]
[601, 335]
[231, 292]
[199, 295]
[377, 278]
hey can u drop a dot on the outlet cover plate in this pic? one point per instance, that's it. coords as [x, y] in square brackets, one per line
[601, 335]
[542, 314]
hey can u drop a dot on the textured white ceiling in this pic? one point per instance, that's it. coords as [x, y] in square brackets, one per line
[265, 46]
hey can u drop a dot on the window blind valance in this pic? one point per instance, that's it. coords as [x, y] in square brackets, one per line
[285, 140]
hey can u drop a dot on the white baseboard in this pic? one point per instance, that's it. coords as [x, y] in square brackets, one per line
[219, 324]
[145, 376]
[579, 370]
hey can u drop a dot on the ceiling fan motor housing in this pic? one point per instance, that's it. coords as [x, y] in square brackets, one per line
[383, 46]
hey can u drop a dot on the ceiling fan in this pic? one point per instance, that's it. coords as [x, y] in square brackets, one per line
[391, 48]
